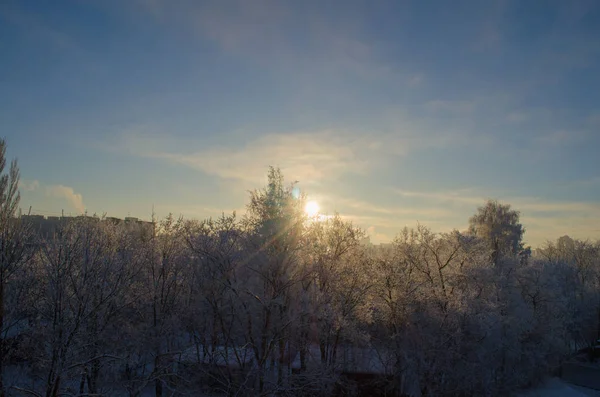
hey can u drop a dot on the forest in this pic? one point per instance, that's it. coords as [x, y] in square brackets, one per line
[280, 303]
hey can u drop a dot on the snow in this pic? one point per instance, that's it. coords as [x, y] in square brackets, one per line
[558, 388]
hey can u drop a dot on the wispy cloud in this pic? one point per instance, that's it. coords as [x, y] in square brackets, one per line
[451, 106]
[539, 229]
[561, 137]
[36, 27]
[67, 193]
[463, 196]
[307, 157]
[471, 197]
[402, 133]
[590, 182]
[277, 34]
[593, 120]
[489, 35]
[543, 219]
[531, 204]
[240, 26]
[416, 80]
[539, 115]
[383, 222]
[28, 186]
[518, 117]
[365, 208]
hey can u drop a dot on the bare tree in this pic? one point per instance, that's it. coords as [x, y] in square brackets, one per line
[82, 280]
[499, 225]
[164, 268]
[15, 242]
[339, 283]
[274, 225]
[213, 314]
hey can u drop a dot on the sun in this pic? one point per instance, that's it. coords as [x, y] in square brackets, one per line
[312, 208]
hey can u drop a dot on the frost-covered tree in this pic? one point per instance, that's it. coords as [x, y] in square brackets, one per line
[15, 248]
[274, 224]
[578, 264]
[338, 285]
[81, 282]
[214, 309]
[161, 281]
[230, 305]
[499, 226]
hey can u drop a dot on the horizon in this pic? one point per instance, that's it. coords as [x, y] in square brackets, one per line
[389, 113]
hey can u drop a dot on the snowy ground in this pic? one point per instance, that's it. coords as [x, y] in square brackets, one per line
[556, 387]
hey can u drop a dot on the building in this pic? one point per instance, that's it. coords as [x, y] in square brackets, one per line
[46, 227]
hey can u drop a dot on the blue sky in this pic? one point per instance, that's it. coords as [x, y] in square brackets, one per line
[390, 112]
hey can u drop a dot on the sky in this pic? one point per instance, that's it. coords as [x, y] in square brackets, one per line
[392, 113]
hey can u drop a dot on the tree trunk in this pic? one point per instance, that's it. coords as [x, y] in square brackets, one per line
[335, 346]
[82, 381]
[1, 335]
[598, 327]
[281, 361]
[53, 391]
[158, 387]
[93, 377]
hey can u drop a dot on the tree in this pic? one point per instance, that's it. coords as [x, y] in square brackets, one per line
[15, 247]
[499, 225]
[274, 224]
[82, 278]
[579, 263]
[338, 284]
[428, 304]
[163, 270]
[213, 316]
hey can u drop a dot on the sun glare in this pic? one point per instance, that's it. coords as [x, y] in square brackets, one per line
[311, 208]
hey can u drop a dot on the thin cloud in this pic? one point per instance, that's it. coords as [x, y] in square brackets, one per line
[561, 137]
[67, 193]
[365, 207]
[523, 204]
[538, 205]
[457, 196]
[277, 34]
[28, 186]
[593, 120]
[539, 229]
[451, 106]
[518, 117]
[307, 157]
[590, 182]
[241, 26]
[35, 26]
[416, 80]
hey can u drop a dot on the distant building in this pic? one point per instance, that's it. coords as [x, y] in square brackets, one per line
[46, 227]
